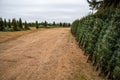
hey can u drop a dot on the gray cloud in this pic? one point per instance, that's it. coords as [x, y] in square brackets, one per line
[50, 10]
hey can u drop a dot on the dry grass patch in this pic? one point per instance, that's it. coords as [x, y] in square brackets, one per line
[5, 36]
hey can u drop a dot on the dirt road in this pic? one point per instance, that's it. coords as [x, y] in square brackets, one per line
[50, 54]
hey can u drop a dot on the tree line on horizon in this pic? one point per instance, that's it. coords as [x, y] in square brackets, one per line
[18, 25]
[45, 24]
[13, 25]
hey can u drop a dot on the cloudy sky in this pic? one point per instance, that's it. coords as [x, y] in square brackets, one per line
[41, 10]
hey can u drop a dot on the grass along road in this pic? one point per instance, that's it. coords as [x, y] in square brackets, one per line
[7, 36]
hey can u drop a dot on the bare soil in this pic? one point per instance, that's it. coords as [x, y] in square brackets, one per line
[50, 54]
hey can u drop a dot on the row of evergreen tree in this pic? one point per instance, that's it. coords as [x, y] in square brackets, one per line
[99, 36]
[13, 25]
[100, 40]
[51, 25]
[17, 25]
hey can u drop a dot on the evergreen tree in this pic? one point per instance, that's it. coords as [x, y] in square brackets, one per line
[54, 23]
[36, 24]
[9, 23]
[15, 25]
[26, 26]
[20, 24]
[1, 24]
[60, 24]
[94, 4]
[64, 24]
[69, 24]
[74, 27]
[114, 63]
[45, 24]
[102, 4]
[5, 23]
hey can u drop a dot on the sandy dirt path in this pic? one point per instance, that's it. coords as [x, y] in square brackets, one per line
[50, 54]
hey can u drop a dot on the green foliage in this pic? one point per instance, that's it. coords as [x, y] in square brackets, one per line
[103, 4]
[100, 40]
[12, 25]
[74, 26]
[114, 63]
[45, 24]
[36, 24]
[9, 23]
[60, 24]
[1, 24]
[5, 23]
[116, 73]
[15, 25]
[54, 24]
[26, 26]
[20, 23]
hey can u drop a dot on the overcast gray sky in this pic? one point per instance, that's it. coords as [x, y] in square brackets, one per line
[41, 10]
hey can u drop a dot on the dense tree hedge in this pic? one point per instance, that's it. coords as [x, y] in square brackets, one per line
[100, 40]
